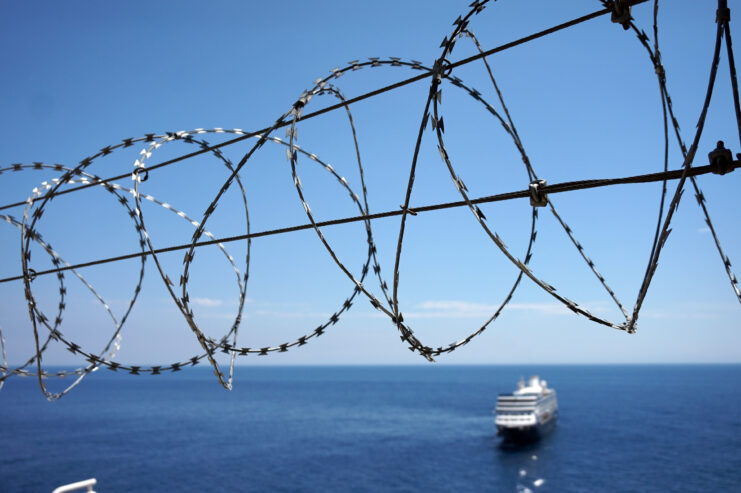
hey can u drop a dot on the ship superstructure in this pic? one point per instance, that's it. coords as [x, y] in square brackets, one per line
[528, 412]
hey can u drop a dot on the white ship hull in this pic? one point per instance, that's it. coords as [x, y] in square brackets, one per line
[527, 433]
[528, 413]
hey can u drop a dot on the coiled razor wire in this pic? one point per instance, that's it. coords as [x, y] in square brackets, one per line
[432, 117]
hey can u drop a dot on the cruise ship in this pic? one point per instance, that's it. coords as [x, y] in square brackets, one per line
[528, 412]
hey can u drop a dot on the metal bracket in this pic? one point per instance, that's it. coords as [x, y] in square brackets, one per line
[621, 13]
[138, 176]
[723, 14]
[408, 210]
[721, 159]
[538, 198]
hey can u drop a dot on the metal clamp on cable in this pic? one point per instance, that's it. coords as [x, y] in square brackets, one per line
[408, 210]
[140, 174]
[538, 198]
[620, 13]
[723, 14]
[441, 68]
[660, 72]
[721, 159]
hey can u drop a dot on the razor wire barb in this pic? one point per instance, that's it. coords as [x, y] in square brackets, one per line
[441, 74]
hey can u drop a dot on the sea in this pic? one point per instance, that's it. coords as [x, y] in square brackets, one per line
[630, 428]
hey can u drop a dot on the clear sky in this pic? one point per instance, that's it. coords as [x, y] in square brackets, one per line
[79, 76]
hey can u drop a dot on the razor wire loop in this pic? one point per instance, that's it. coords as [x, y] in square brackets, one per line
[437, 125]
[321, 87]
[96, 360]
[334, 318]
[223, 345]
[654, 55]
[190, 254]
[723, 26]
[662, 233]
[666, 109]
[183, 302]
[74, 348]
[5, 369]
[435, 94]
[538, 198]
[226, 347]
[241, 280]
[54, 332]
[667, 112]
[461, 29]
[406, 333]
[441, 70]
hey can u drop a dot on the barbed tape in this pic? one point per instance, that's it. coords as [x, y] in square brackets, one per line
[389, 305]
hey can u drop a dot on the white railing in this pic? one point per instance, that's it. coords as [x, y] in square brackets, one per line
[88, 483]
[515, 420]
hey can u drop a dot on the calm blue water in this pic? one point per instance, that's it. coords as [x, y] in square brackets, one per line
[428, 428]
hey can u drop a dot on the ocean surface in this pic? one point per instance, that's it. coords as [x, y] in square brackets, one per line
[368, 429]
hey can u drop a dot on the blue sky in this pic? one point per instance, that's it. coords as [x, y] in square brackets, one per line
[80, 76]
